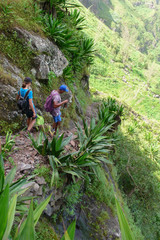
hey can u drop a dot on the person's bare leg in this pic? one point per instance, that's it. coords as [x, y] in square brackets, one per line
[54, 125]
[57, 126]
[29, 121]
[31, 125]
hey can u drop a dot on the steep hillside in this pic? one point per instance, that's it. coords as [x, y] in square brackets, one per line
[135, 21]
[50, 51]
[46, 42]
[99, 159]
[122, 71]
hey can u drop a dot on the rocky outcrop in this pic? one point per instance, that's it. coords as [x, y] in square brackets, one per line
[85, 83]
[49, 57]
[79, 110]
[10, 69]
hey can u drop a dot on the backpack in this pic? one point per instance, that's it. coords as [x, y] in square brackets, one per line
[48, 106]
[22, 103]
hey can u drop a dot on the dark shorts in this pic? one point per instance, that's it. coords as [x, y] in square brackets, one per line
[29, 114]
[57, 118]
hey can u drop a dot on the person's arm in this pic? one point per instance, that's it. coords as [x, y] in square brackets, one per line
[17, 97]
[30, 95]
[31, 106]
[56, 104]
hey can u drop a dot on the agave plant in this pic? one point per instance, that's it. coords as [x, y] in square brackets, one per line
[8, 146]
[87, 49]
[8, 210]
[56, 29]
[12, 201]
[18, 187]
[45, 147]
[60, 33]
[110, 112]
[68, 73]
[77, 20]
[94, 144]
[93, 149]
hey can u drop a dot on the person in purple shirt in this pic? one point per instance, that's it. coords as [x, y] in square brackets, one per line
[56, 113]
[31, 113]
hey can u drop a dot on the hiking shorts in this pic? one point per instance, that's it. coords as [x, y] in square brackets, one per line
[57, 118]
[29, 114]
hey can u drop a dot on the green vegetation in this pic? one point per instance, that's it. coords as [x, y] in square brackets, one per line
[73, 195]
[42, 171]
[63, 28]
[12, 201]
[126, 67]
[137, 161]
[125, 229]
[8, 146]
[119, 69]
[94, 145]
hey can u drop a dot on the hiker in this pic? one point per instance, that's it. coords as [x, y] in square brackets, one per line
[53, 105]
[26, 95]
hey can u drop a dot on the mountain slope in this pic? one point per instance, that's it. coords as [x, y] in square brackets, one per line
[122, 71]
[140, 18]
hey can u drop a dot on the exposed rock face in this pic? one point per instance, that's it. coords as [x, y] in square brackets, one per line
[49, 58]
[108, 226]
[78, 106]
[10, 81]
[7, 99]
[85, 83]
[12, 70]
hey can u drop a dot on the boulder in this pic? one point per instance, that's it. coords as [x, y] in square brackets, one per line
[12, 71]
[78, 106]
[40, 191]
[40, 180]
[49, 210]
[35, 187]
[8, 102]
[22, 166]
[49, 57]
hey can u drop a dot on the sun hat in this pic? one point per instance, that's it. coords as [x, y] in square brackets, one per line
[63, 88]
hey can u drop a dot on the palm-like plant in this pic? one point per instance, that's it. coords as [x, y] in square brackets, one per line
[8, 145]
[60, 33]
[45, 147]
[110, 111]
[112, 106]
[94, 144]
[87, 50]
[77, 20]
[18, 187]
[11, 201]
[68, 73]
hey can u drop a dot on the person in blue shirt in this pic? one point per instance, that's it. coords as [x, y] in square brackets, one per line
[31, 113]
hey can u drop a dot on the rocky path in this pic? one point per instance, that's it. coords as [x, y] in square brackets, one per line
[26, 157]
